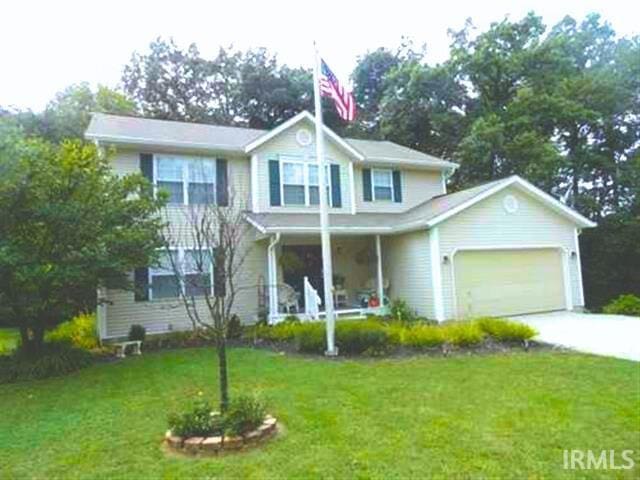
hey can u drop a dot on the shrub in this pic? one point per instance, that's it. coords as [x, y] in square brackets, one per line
[245, 413]
[198, 421]
[462, 334]
[80, 332]
[234, 328]
[624, 305]
[291, 319]
[137, 333]
[423, 336]
[361, 336]
[55, 359]
[310, 338]
[177, 339]
[505, 330]
[401, 312]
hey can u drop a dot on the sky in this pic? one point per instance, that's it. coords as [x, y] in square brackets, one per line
[46, 46]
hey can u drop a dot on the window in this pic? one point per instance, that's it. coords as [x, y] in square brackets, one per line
[293, 184]
[382, 185]
[196, 270]
[188, 180]
[314, 199]
[164, 283]
[300, 183]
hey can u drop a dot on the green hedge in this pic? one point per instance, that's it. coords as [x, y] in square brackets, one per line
[624, 305]
[374, 336]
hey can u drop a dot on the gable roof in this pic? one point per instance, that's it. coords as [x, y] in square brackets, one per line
[302, 116]
[146, 131]
[149, 133]
[425, 215]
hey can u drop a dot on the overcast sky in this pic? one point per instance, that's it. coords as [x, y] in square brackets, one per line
[45, 46]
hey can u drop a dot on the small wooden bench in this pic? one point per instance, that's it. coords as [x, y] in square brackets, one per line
[121, 348]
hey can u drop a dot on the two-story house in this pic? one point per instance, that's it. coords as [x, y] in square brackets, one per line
[502, 248]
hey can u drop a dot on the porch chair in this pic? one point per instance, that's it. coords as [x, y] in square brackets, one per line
[288, 298]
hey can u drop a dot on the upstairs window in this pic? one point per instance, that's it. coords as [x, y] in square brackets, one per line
[382, 184]
[188, 180]
[314, 198]
[293, 183]
[163, 281]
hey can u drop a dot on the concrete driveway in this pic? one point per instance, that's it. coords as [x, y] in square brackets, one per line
[607, 335]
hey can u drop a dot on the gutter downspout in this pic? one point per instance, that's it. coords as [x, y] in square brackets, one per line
[273, 277]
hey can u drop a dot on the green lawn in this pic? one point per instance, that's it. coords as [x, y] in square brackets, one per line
[481, 416]
[8, 339]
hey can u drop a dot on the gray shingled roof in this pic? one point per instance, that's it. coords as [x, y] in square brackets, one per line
[149, 132]
[416, 217]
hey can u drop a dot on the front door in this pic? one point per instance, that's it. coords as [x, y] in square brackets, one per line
[299, 261]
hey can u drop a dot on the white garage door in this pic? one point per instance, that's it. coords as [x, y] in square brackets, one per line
[508, 282]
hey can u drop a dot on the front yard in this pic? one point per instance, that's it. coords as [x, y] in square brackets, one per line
[491, 416]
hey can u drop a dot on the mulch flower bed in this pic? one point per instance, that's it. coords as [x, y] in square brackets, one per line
[222, 443]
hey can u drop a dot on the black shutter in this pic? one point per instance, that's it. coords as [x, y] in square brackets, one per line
[397, 187]
[336, 194]
[366, 184]
[222, 183]
[274, 182]
[146, 166]
[141, 284]
[219, 280]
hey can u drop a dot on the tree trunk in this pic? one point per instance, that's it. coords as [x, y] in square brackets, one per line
[32, 340]
[222, 372]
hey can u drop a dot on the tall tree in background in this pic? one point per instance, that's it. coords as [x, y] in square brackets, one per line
[68, 114]
[247, 89]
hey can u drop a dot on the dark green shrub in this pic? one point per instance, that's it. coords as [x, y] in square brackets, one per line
[505, 330]
[245, 413]
[401, 312]
[198, 421]
[310, 338]
[360, 336]
[624, 305]
[462, 334]
[80, 332]
[137, 333]
[177, 339]
[234, 328]
[54, 359]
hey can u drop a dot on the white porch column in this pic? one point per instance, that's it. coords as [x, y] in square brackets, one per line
[380, 279]
[272, 275]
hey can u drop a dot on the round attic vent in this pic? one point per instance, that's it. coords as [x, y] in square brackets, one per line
[303, 137]
[510, 204]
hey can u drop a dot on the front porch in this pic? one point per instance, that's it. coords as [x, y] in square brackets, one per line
[295, 282]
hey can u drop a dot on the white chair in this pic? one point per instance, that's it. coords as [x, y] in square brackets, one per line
[288, 298]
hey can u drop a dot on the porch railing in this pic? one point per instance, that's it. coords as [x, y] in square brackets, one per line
[311, 300]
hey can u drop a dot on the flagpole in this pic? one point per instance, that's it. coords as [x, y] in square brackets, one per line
[325, 238]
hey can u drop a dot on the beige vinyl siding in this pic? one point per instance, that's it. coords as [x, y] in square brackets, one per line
[162, 315]
[406, 263]
[417, 187]
[159, 316]
[286, 144]
[488, 225]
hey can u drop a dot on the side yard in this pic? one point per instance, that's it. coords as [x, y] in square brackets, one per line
[509, 415]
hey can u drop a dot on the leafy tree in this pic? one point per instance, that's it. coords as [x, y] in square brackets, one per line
[68, 226]
[68, 114]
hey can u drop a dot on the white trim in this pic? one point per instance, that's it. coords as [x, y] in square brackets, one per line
[379, 271]
[255, 204]
[515, 180]
[420, 164]
[579, 265]
[352, 187]
[444, 182]
[255, 224]
[555, 246]
[152, 142]
[272, 274]
[304, 115]
[101, 313]
[436, 274]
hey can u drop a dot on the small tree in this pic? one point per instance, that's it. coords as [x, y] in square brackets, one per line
[207, 260]
[68, 227]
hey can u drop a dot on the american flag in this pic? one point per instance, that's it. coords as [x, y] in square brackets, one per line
[330, 87]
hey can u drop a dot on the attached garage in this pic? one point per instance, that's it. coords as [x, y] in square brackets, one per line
[509, 281]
